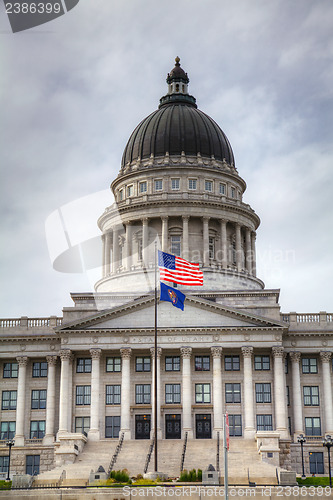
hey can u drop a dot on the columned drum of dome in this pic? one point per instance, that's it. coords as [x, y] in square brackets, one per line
[178, 185]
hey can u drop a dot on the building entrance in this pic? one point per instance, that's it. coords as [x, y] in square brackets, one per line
[203, 428]
[172, 427]
[142, 426]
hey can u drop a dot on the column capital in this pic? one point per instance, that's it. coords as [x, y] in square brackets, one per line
[159, 351]
[278, 351]
[51, 360]
[216, 351]
[163, 217]
[95, 353]
[325, 356]
[22, 360]
[126, 353]
[295, 356]
[247, 351]
[65, 354]
[186, 217]
[223, 221]
[186, 352]
[145, 220]
[206, 218]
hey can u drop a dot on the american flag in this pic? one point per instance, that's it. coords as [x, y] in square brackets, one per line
[177, 270]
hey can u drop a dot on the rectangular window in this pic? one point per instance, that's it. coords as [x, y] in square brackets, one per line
[211, 247]
[288, 395]
[309, 365]
[9, 400]
[202, 393]
[112, 395]
[172, 393]
[209, 186]
[232, 393]
[286, 365]
[121, 195]
[112, 427]
[113, 364]
[235, 425]
[312, 426]
[231, 363]
[202, 363]
[158, 185]
[264, 423]
[192, 184]
[175, 183]
[10, 370]
[7, 430]
[32, 464]
[172, 363]
[143, 187]
[316, 460]
[39, 369]
[130, 190]
[37, 429]
[83, 365]
[4, 461]
[142, 364]
[233, 192]
[83, 394]
[38, 400]
[142, 394]
[263, 393]
[176, 245]
[261, 363]
[311, 395]
[82, 425]
[222, 188]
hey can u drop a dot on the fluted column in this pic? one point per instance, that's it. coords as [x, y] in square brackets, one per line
[248, 251]
[279, 392]
[224, 248]
[50, 400]
[238, 247]
[205, 241]
[94, 432]
[129, 237]
[107, 253]
[115, 250]
[249, 428]
[158, 427]
[20, 402]
[217, 390]
[145, 241]
[187, 391]
[327, 385]
[164, 233]
[297, 395]
[65, 356]
[185, 237]
[253, 244]
[103, 255]
[126, 392]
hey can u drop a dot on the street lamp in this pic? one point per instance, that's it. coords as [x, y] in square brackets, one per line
[301, 439]
[328, 443]
[9, 443]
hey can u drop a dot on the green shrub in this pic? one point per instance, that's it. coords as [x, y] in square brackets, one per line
[120, 476]
[5, 485]
[313, 481]
[191, 476]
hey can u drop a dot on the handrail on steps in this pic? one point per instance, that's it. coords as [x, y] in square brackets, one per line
[150, 451]
[183, 454]
[116, 453]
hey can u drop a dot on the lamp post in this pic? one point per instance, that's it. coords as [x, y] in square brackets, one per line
[9, 443]
[328, 443]
[301, 440]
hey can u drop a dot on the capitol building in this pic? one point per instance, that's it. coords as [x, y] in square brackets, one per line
[73, 387]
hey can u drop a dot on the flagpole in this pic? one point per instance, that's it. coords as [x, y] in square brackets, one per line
[155, 362]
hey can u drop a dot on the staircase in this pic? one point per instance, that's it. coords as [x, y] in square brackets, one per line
[169, 457]
[200, 453]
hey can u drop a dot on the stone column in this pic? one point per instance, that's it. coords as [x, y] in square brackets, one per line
[145, 242]
[129, 237]
[217, 391]
[164, 234]
[65, 356]
[115, 251]
[279, 392]
[238, 247]
[126, 392]
[107, 256]
[327, 385]
[185, 237]
[20, 402]
[50, 400]
[249, 428]
[253, 244]
[103, 255]
[187, 391]
[159, 352]
[94, 432]
[206, 241]
[248, 252]
[224, 248]
[297, 395]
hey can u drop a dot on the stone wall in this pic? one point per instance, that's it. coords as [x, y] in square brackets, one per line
[18, 458]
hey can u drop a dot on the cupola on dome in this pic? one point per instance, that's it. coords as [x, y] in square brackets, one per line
[177, 127]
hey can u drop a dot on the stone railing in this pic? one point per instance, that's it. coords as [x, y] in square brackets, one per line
[25, 322]
[308, 320]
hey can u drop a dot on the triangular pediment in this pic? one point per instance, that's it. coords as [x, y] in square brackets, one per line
[198, 313]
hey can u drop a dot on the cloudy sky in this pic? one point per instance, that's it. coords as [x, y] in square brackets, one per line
[73, 90]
